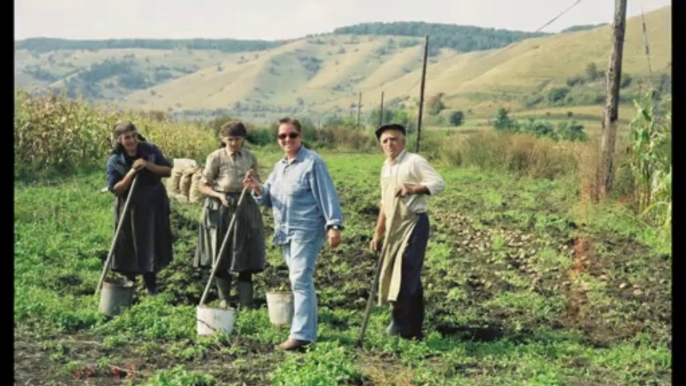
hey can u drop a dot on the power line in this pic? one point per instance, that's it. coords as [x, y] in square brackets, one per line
[517, 42]
[556, 17]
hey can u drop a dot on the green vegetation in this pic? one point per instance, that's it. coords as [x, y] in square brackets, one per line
[225, 45]
[457, 37]
[525, 283]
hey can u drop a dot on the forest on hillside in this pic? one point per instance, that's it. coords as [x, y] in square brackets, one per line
[458, 37]
[224, 45]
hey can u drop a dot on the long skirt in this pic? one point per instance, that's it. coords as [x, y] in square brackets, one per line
[145, 242]
[245, 248]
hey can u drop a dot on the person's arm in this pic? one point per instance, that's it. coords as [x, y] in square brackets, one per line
[431, 182]
[161, 166]
[209, 175]
[116, 183]
[325, 194]
[375, 244]
[260, 192]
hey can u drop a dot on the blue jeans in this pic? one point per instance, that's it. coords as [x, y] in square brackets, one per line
[300, 256]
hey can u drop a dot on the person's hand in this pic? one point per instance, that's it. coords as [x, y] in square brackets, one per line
[132, 172]
[250, 182]
[140, 164]
[404, 190]
[334, 236]
[375, 244]
[223, 199]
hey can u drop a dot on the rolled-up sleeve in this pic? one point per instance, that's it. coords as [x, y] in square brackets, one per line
[325, 194]
[429, 176]
[160, 159]
[209, 174]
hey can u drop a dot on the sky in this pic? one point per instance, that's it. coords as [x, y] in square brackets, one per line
[281, 19]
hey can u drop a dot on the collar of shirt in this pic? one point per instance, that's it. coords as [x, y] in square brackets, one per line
[299, 156]
[236, 152]
[397, 159]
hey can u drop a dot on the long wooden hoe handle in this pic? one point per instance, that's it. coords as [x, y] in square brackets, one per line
[116, 235]
[221, 250]
[375, 284]
[370, 301]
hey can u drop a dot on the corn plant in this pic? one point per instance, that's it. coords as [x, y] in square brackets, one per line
[650, 160]
[54, 132]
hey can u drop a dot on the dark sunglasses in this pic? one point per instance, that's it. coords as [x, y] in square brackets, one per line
[291, 135]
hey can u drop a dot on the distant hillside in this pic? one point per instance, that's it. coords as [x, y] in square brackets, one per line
[323, 75]
[223, 45]
[458, 37]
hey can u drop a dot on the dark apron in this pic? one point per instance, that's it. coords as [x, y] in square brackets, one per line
[245, 249]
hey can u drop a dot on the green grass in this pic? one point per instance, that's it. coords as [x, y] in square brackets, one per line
[495, 272]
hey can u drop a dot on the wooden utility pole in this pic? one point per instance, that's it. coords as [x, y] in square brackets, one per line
[359, 103]
[421, 93]
[614, 73]
[381, 111]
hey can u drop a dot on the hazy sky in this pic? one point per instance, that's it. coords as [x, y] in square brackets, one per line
[280, 19]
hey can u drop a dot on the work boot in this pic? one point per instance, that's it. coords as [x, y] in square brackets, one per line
[293, 345]
[224, 290]
[150, 281]
[245, 294]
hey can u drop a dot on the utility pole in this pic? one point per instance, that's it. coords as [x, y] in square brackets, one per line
[421, 93]
[381, 111]
[614, 73]
[359, 103]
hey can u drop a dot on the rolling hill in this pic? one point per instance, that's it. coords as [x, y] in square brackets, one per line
[324, 74]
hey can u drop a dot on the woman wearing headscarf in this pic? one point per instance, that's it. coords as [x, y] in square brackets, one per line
[144, 245]
[222, 183]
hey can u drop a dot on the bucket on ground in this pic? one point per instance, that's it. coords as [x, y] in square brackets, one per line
[280, 306]
[115, 297]
[211, 320]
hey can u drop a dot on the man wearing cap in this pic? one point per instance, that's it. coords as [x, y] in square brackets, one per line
[407, 180]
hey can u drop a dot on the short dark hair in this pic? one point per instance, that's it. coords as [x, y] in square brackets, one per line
[291, 121]
[233, 128]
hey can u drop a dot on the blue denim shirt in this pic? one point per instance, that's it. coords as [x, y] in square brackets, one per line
[302, 197]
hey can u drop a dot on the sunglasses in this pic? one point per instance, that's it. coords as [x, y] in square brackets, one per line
[291, 135]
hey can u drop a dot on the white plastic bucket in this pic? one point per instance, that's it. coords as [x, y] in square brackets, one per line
[280, 306]
[211, 320]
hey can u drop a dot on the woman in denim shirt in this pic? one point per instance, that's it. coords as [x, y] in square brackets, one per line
[144, 245]
[306, 213]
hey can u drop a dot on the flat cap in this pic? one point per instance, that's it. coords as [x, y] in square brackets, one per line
[389, 126]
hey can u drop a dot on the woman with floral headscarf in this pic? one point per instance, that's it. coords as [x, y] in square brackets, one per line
[144, 245]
